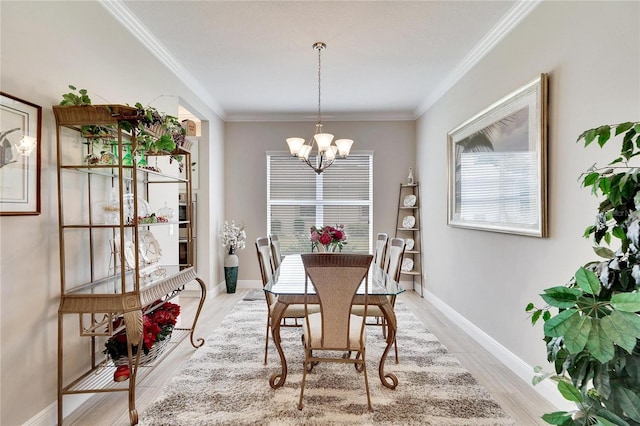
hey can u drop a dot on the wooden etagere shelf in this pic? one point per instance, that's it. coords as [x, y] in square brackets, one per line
[111, 265]
[409, 229]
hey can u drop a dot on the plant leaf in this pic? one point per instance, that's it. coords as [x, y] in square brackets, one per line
[626, 302]
[599, 345]
[623, 127]
[535, 316]
[557, 417]
[561, 297]
[604, 133]
[632, 368]
[577, 333]
[623, 328]
[605, 185]
[618, 232]
[587, 281]
[611, 417]
[589, 136]
[629, 402]
[602, 382]
[605, 252]
[570, 392]
[601, 421]
[590, 179]
[529, 307]
[557, 325]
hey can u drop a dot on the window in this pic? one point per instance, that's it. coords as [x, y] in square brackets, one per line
[298, 198]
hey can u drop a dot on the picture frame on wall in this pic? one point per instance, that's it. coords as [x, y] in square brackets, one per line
[20, 141]
[497, 169]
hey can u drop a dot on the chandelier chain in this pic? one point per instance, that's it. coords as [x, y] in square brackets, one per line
[319, 68]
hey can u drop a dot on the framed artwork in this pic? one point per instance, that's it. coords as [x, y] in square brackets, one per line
[497, 177]
[20, 140]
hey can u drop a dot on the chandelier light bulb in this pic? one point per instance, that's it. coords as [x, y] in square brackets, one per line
[344, 146]
[304, 152]
[294, 145]
[331, 153]
[323, 140]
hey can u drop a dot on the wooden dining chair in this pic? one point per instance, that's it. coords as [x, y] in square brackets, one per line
[275, 251]
[380, 254]
[294, 312]
[335, 278]
[393, 270]
[379, 258]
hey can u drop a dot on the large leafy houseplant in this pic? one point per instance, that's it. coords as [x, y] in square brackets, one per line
[592, 340]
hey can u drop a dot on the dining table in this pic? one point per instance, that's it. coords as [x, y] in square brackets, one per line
[288, 284]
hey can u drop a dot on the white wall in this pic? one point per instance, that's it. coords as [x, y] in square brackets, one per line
[589, 49]
[591, 52]
[393, 143]
[46, 46]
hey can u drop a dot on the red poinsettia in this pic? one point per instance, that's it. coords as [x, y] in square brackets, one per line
[157, 325]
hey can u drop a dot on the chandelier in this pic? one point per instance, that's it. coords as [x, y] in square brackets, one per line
[327, 152]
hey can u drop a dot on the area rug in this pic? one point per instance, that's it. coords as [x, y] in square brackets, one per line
[254, 295]
[226, 383]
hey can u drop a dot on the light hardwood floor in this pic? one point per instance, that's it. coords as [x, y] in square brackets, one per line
[517, 398]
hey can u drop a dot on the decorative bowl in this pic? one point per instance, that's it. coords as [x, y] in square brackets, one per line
[408, 222]
[407, 265]
[408, 244]
[409, 200]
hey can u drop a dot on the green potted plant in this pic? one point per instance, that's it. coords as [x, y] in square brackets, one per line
[157, 132]
[592, 338]
[75, 97]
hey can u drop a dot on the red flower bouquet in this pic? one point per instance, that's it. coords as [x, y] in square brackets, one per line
[331, 238]
[157, 326]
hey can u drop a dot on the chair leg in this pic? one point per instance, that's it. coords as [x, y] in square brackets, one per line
[358, 365]
[304, 377]
[366, 382]
[266, 344]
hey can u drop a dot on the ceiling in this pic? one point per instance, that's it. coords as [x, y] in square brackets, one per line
[253, 60]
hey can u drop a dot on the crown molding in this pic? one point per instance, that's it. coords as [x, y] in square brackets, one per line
[331, 117]
[508, 22]
[130, 22]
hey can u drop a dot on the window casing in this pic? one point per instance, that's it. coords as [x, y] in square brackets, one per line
[298, 198]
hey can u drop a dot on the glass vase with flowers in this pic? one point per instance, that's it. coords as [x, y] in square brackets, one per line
[233, 238]
[328, 238]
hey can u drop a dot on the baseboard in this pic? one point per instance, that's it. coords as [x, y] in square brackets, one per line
[49, 416]
[547, 388]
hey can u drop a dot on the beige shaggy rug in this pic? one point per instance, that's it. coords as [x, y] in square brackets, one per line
[226, 383]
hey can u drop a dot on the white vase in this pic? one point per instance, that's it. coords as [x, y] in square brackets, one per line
[231, 260]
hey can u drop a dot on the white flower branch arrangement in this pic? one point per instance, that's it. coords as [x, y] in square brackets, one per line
[233, 237]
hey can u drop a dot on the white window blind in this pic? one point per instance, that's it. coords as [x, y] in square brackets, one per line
[298, 198]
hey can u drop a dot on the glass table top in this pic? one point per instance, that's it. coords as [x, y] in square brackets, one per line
[289, 278]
